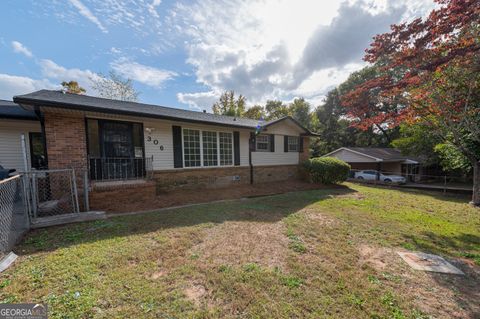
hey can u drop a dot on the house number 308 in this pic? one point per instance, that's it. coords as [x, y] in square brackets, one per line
[155, 142]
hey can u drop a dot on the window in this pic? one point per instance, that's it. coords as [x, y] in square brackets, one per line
[293, 144]
[191, 148]
[226, 149]
[263, 143]
[37, 151]
[210, 153]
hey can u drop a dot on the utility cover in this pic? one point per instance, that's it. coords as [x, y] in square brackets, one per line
[428, 262]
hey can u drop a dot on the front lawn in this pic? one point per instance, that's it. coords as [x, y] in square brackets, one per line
[315, 254]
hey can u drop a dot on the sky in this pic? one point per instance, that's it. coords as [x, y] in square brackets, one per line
[186, 53]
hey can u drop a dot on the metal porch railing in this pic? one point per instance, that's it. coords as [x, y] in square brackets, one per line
[119, 168]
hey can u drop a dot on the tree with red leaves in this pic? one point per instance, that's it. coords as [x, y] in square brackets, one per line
[429, 72]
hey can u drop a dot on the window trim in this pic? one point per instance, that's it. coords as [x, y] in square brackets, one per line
[201, 147]
[268, 143]
[288, 143]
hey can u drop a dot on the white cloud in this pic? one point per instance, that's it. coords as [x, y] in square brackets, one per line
[84, 11]
[53, 71]
[279, 49]
[145, 74]
[199, 100]
[11, 85]
[20, 48]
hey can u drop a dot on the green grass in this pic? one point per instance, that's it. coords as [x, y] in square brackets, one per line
[145, 266]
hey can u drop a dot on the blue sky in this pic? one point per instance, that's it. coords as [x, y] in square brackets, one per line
[185, 53]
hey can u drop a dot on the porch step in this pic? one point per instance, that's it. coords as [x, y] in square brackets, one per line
[67, 219]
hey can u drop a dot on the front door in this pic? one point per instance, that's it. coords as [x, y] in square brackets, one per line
[117, 149]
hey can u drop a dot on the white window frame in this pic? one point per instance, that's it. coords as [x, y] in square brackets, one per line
[183, 146]
[201, 147]
[268, 143]
[219, 149]
[293, 140]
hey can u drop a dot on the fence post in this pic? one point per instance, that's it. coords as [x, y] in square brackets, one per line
[34, 195]
[445, 184]
[85, 191]
[75, 191]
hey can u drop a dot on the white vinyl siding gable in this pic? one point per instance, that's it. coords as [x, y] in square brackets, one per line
[11, 153]
[279, 157]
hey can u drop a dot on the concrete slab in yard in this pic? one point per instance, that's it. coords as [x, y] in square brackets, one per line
[67, 219]
[7, 261]
[428, 262]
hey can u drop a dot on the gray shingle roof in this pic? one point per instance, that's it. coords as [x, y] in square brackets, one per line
[11, 110]
[59, 99]
[90, 103]
[386, 154]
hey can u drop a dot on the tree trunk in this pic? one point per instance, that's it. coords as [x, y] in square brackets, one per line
[476, 183]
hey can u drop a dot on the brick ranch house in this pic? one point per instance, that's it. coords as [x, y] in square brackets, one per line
[115, 141]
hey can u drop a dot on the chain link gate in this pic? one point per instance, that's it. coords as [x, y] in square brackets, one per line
[51, 193]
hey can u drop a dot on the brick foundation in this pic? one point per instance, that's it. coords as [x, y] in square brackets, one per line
[222, 177]
[201, 178]
[115, 196]
[275, 173]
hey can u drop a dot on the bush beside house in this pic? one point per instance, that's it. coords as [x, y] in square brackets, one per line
[326, 170]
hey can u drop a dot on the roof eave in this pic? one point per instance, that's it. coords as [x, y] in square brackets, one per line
[79, 107]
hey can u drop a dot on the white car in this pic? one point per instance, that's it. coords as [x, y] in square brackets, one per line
[371, 175]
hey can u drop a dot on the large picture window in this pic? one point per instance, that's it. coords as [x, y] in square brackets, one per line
[191, 148]
[210, 150]
[207, 148]
[263, 143]
[226, 149]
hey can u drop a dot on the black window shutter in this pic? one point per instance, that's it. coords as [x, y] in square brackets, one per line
[300, 144]
[285, 144]
[236, 148]
[177, 146]
[253, 142]
[272, 142]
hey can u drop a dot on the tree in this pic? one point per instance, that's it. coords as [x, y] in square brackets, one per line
[115, 87]
[73, 87]
[229, 105]
[300, 110]
[276, 110]
[256, 112]
[418, 139]
[430, 69]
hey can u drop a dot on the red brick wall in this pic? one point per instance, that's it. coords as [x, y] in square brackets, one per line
[305, 155]
[66, 141]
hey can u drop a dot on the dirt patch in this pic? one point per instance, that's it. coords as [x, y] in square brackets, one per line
[157, 274]
[195, 293]
[442, 295]
[376, 257]
[238, 243]
[319, 218]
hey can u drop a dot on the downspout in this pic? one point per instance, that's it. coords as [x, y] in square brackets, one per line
[250, 163]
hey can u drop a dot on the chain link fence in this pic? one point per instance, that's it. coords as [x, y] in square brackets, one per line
[52, 192]
[14, 221]
[444, 183]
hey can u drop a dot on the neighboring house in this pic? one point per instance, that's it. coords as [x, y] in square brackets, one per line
[116, 140]
[388, 160]
[16, 122]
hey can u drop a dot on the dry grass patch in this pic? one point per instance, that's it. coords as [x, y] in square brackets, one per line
[236, 243]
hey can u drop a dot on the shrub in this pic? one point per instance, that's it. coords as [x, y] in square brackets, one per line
[327, 170]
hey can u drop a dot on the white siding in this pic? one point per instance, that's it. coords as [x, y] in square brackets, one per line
[11, 154]
[161, 131]
[279, 157]
[352, 157]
